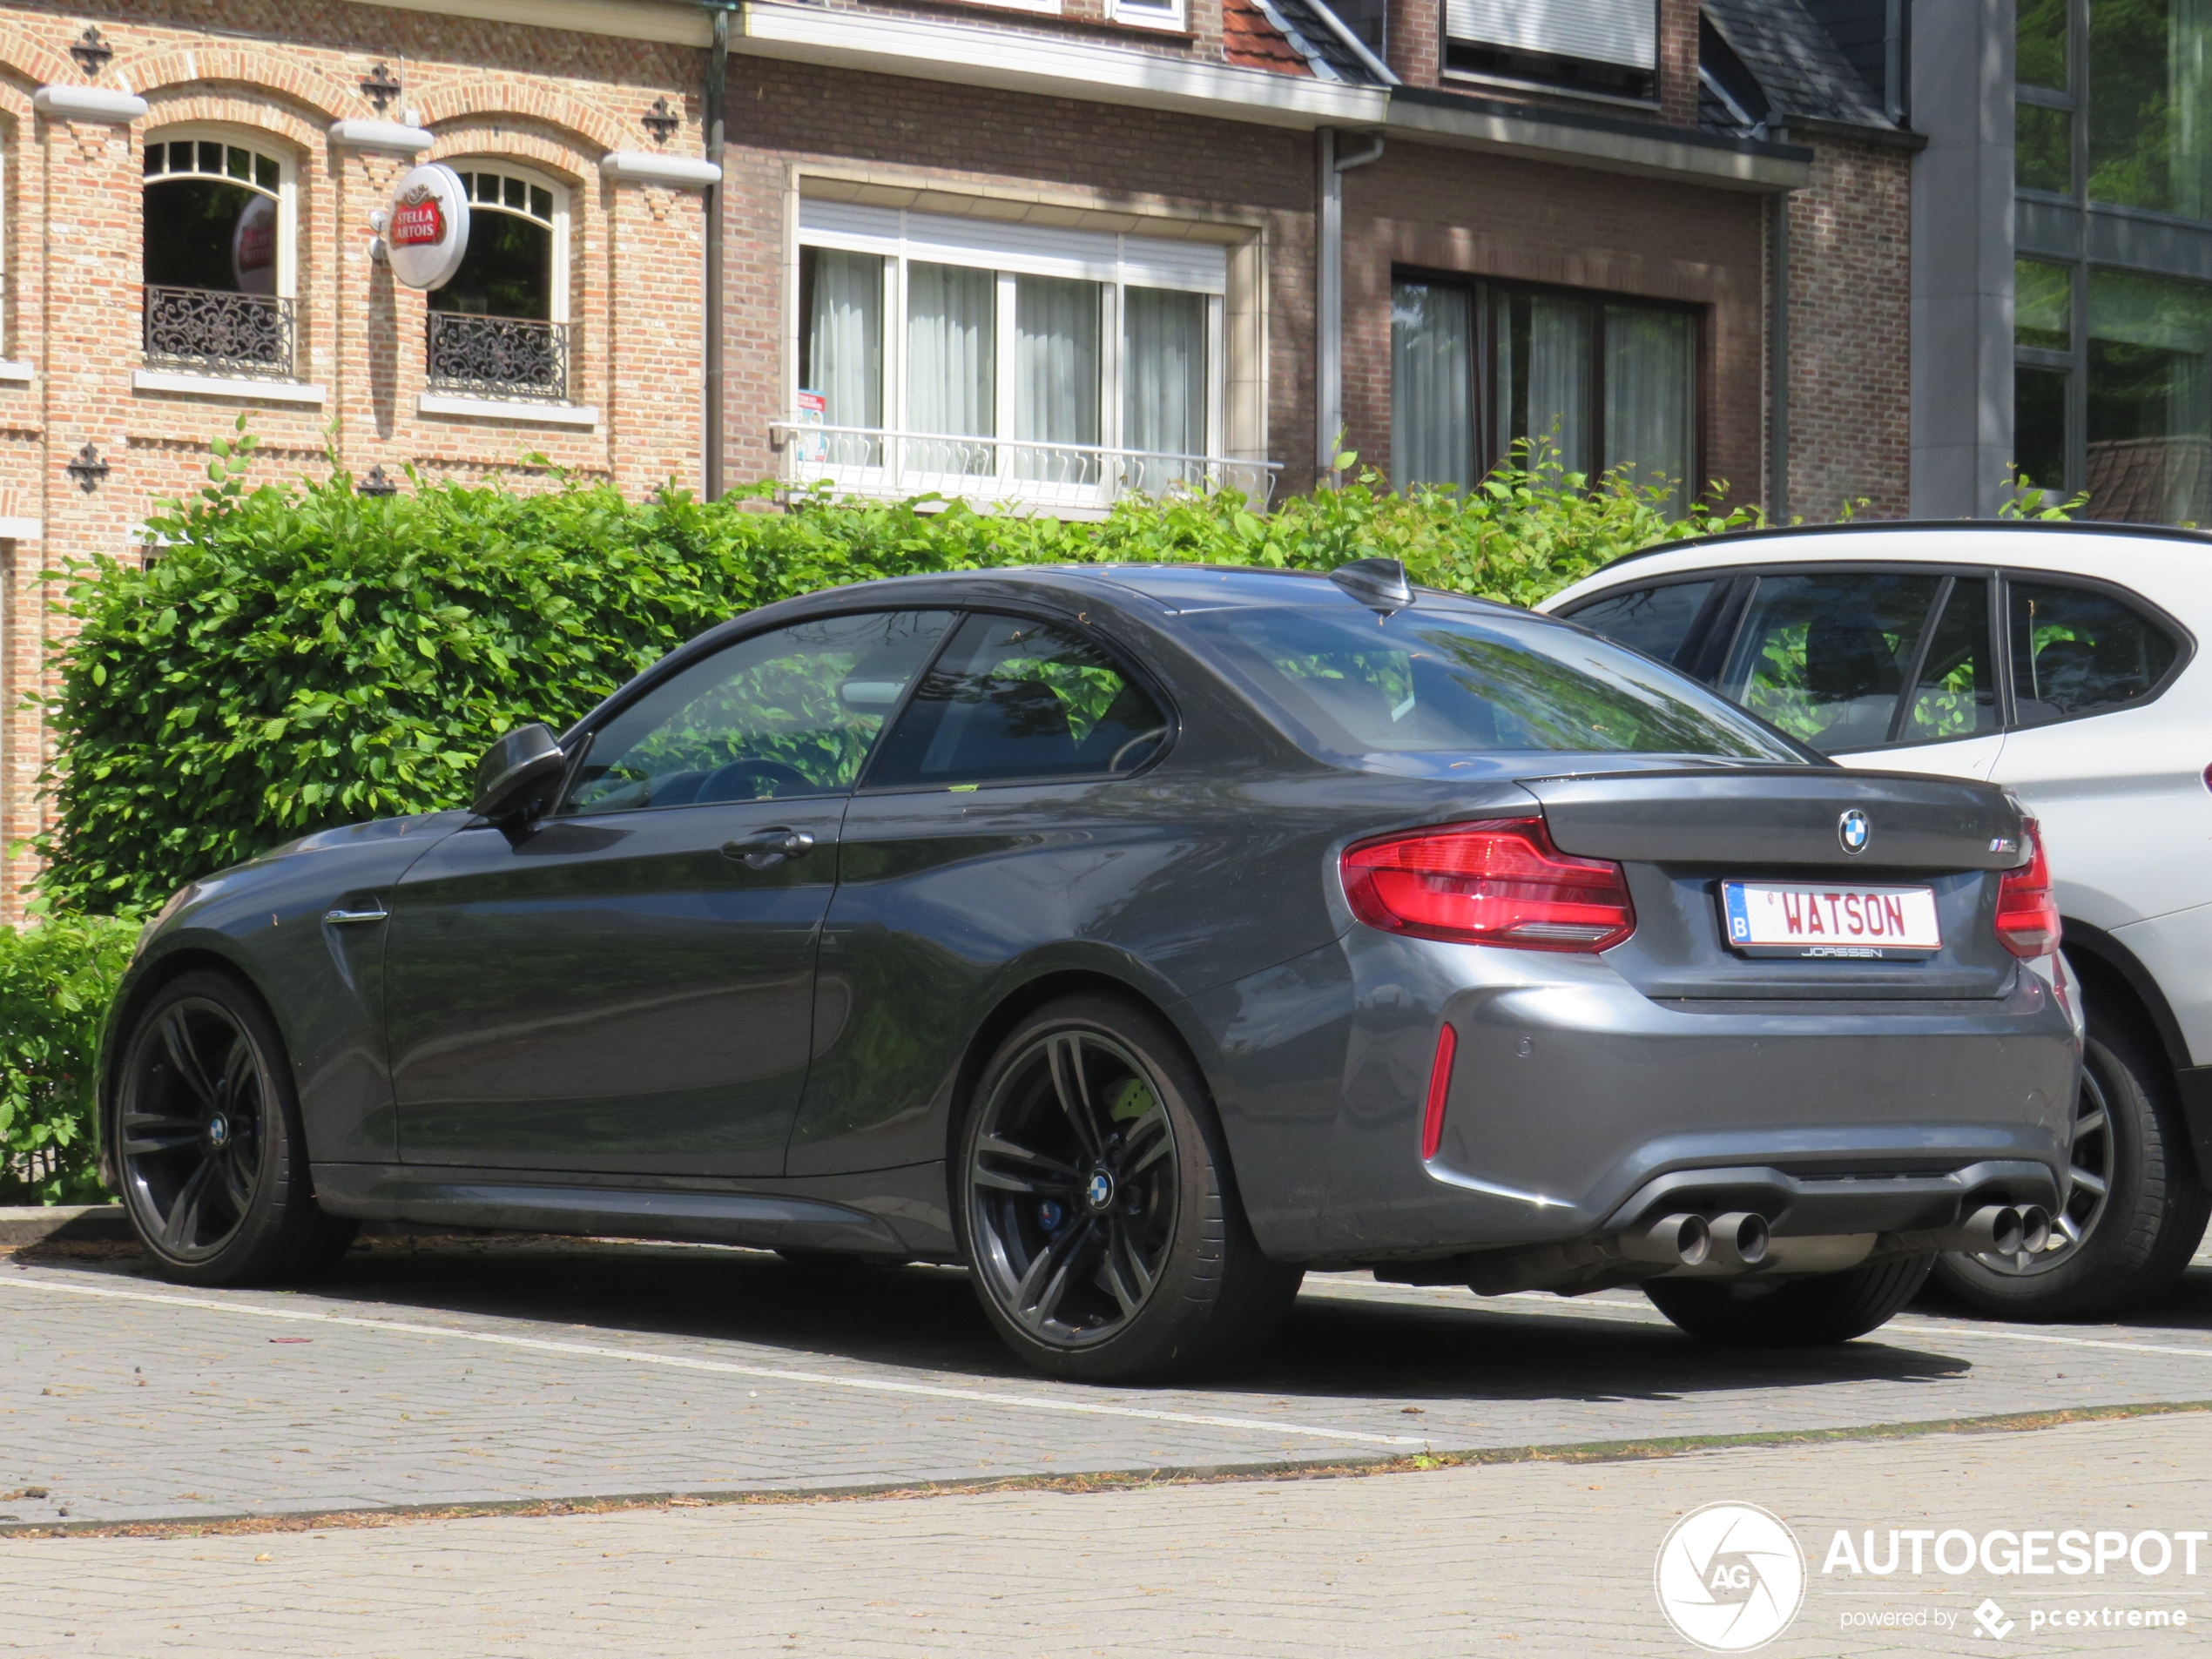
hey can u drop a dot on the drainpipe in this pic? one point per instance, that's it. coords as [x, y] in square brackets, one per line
[718, 68]
[1328, 322]
[1777, 483]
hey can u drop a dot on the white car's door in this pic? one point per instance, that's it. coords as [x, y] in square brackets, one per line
[2114, 775]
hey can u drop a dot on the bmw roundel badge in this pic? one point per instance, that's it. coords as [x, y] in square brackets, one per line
[1853, 830]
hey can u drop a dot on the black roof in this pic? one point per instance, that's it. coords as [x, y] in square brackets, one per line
[1796, 63]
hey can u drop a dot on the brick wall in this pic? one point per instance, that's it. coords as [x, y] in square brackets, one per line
[1442, 211]
[277, 75]
[1849, 346]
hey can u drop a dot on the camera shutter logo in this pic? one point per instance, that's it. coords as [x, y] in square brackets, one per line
[1730, 1577]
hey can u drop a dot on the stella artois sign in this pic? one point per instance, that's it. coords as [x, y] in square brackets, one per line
[426, 229]
[417, 220]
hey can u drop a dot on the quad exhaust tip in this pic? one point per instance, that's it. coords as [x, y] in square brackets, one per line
[1740, 1238]
[2003, 1229]
[1672, 1241]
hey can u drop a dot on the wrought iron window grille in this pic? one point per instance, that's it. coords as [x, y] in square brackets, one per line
[214, 331]
[502, 357]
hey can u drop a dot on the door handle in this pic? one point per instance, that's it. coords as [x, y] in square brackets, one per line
[769, 846]
[340, 917]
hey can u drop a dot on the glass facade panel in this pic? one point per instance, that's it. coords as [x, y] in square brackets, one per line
[2042, 305]
[2043, 152]
[2041, 31]
[2039, 425]
[2150, 104]
[2150, 399]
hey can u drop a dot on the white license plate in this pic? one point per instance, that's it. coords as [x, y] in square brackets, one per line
[1820, 920]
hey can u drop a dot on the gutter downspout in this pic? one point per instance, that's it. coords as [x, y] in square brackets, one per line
[712, 119]
[1328, 321]
[1777, 481]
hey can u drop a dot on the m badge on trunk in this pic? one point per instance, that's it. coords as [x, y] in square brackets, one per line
[1853, 830]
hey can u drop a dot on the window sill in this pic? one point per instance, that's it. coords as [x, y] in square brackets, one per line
[164, 379]
[1471, 78]
[13, 373]
[501, 408]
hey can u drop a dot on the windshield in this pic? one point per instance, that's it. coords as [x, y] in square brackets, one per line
[1435, 680]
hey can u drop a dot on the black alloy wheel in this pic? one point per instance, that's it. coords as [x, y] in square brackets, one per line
[207, 1142]
[1104, 1236]
[2135, 1210]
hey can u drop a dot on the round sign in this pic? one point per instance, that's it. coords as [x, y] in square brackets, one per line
[1730, 1577]
[426, 233]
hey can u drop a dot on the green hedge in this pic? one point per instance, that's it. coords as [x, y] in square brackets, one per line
[56, 978]
[302, 656]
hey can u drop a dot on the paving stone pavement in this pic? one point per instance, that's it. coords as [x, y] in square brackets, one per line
[1525, 1559]
[501, 1374]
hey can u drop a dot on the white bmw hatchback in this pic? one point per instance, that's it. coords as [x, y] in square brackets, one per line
[2062, 661]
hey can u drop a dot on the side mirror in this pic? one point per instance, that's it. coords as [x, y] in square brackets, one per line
[514, 770]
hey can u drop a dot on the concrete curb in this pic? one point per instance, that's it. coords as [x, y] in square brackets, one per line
[36, 1223]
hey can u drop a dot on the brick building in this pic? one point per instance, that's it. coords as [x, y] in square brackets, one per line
[1031, 252]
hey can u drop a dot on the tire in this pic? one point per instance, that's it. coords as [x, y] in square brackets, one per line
[2129, 1244]
[1812, 1313]
[209, 1145]
[1096, 1209]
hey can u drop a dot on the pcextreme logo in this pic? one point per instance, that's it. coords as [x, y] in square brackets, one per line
[1730, 1577]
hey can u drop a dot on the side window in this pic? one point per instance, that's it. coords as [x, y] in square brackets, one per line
[1655, 621]
[791, 712]
[1824, 657]
[1015, 698]
[1957, 695]
[2076, 650]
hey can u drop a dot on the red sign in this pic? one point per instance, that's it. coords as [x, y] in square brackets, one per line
[418, 221]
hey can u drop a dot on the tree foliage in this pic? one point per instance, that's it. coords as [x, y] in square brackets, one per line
[55, 978]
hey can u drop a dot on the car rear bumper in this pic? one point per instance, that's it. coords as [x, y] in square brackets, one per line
[1576, 1103]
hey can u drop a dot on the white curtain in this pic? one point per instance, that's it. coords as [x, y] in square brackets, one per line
[1543, 376]
[1164, 385]
[1432, 377]
[951, 365]
[845, 350]
[1056, 376]
[1649, 405]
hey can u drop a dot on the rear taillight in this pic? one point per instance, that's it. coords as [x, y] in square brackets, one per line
[2028, 916]
[1501, 882]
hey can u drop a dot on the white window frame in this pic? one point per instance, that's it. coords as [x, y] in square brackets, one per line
[1117, 261]
[288, 193]
[1149, 14]
[558, 224]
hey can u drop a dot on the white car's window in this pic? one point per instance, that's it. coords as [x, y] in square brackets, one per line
[790, 712]
[1957, 693]
[2076, 650]
[1654, 620]
[1824, 656]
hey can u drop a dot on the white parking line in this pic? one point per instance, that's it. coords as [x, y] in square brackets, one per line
[634, 1356]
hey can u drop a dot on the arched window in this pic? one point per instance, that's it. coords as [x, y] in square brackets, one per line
[218, 256]
[500, 328]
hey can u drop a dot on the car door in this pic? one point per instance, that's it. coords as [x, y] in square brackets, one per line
[2100, 758]
[625, 985]
[999, 812]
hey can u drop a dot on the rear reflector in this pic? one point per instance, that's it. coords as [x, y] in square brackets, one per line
[2028, 914]
[1497, 882]
[1440, 1089]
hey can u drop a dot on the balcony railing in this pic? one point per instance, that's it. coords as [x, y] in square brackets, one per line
[874, 461]
[498, 356]
[212, 331]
